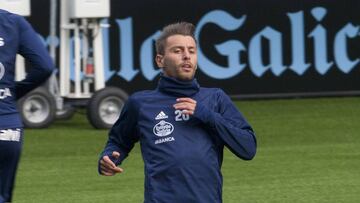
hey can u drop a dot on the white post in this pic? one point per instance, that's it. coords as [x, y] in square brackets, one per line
[77, 61]
[85, 55]
[98, 58]
[64, 49]
[20, 72]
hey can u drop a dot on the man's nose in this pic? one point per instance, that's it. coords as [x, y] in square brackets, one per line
[186, 54]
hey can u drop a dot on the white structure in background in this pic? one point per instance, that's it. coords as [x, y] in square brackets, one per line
[81, 28]
[81, 20]
[81, 56]
[20, 7]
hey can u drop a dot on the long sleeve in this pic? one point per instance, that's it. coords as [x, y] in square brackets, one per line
[229, 125]
[34, 51]
[123, 135]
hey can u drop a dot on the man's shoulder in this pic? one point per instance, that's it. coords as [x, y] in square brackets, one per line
[13, 20]
[146, 96]
[212, 90]
[216, 95]
[4, 13]
[9, 16]
[139, 98]
[140, 95]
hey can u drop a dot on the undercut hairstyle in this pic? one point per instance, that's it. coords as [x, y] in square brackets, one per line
[180, 28]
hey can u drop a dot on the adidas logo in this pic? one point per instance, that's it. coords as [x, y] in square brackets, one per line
[2, 43]
[161, 115]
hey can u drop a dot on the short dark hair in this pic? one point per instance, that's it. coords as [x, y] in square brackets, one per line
[180, 28]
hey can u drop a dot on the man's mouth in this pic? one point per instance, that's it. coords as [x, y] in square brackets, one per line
[186, 67]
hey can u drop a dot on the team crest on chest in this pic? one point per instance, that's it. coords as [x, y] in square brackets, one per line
[163, 128]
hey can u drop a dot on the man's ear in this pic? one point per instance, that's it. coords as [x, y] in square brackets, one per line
[159, 59]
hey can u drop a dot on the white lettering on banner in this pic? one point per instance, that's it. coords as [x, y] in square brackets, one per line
[255, 49]
[342, 60]
[319, 35]
[275, 40]
[127, 69]
[233, 49]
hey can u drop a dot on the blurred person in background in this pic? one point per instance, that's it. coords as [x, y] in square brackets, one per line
[16, 37]
[182, 128]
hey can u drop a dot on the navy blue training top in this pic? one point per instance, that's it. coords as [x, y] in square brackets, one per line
[182, 154]
[17, 36]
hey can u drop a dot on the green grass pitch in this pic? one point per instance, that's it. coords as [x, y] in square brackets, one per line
[308, 151]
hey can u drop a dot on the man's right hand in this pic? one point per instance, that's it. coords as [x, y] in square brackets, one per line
[108, 167]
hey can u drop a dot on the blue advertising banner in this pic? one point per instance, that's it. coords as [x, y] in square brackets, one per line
[250, 48]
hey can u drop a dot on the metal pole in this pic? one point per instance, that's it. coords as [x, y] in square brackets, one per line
[64, 49]
[53, 19]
